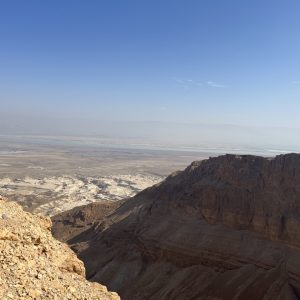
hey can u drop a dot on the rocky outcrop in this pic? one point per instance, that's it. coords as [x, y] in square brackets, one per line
[33, 265]
[76, 221]
[224, 228]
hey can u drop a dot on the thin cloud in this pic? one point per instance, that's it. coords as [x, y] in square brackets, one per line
[187, 83]
[216, 85]
[190, 83]
[179, 81]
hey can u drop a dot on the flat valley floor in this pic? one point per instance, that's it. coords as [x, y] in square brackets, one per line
[48, 175]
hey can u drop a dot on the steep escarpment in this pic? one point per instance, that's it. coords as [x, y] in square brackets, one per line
[224, 228]
[76, 221]
[33, 265]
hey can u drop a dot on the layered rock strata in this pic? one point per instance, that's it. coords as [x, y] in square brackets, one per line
[224, 228]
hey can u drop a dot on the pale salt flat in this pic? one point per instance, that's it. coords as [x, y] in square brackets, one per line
[52, 195]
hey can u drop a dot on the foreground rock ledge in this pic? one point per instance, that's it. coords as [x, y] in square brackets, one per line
[33, 265]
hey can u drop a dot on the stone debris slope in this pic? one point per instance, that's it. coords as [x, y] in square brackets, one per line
[33, 265]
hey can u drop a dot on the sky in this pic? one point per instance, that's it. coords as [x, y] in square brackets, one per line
[189, 61]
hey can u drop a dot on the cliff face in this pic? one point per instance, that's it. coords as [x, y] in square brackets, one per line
[33, 265]
[224, 228]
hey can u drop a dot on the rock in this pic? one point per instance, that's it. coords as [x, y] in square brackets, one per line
[33, 265]
[224, 228]
[4, 217]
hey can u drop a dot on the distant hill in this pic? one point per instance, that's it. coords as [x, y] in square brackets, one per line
[219, 138]
[224, 228]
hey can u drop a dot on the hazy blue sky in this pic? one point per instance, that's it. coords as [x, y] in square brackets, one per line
[207, 61]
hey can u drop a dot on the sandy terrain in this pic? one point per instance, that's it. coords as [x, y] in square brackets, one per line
[50, 175]
[52, 195]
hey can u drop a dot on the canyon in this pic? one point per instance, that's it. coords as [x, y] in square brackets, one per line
[224, 228]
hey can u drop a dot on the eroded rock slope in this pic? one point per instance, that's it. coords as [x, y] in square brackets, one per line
[33, 265]
[224, 228]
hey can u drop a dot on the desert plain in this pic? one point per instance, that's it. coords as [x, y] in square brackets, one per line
[49, 175]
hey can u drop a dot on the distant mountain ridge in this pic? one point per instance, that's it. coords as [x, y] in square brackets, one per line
[224, 228]
[191, 135]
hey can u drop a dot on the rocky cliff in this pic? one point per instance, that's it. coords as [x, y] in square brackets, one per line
[224, 228]
[33, 265]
